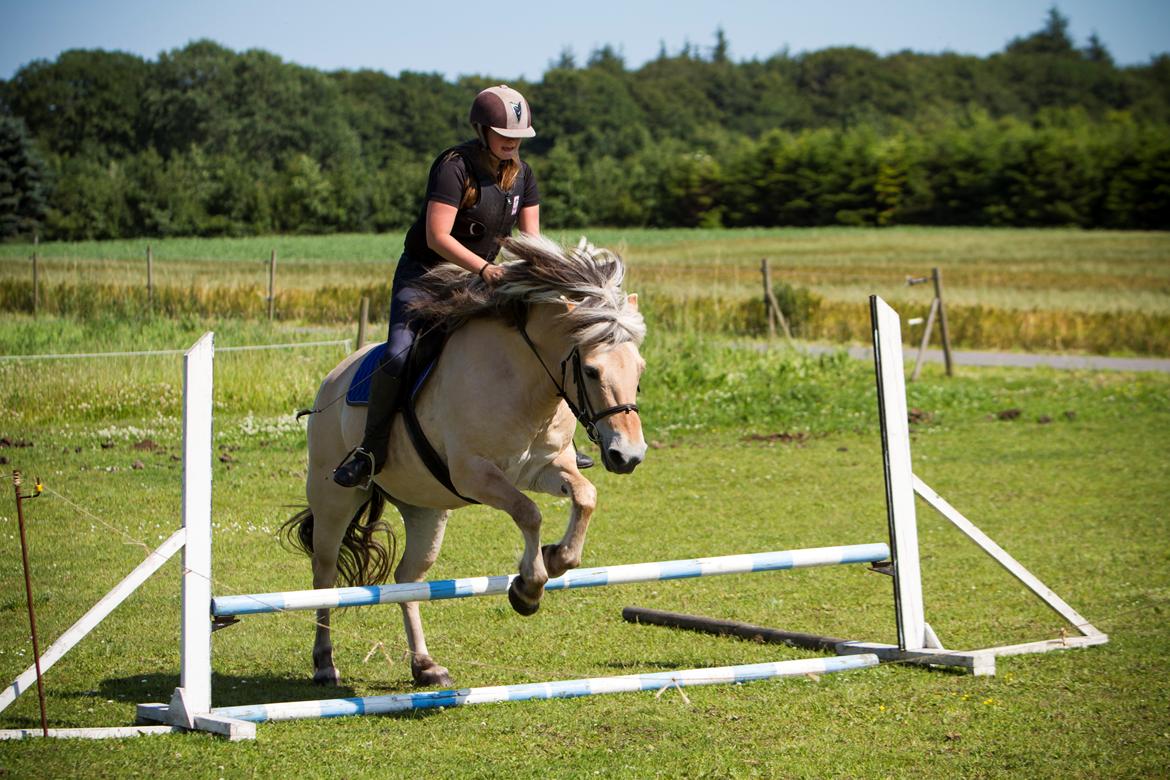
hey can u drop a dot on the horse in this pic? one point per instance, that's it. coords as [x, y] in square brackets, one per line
[499, 416]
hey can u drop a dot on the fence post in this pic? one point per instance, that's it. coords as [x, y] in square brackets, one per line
[17, 483]
[36, 291]
[925, 339]
[772, 306]
[936, 276]
[363, 322]
[768, 315]
[272, 286]
[150, 277]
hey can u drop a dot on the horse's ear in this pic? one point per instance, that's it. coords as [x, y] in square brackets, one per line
[632, 300]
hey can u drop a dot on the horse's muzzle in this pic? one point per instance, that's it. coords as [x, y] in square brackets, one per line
[622, 459]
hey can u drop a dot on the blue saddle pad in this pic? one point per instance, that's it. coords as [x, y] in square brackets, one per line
[358, 393]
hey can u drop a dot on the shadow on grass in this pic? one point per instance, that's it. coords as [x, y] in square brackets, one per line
[226, 690]
[233, 691]
[639, 666]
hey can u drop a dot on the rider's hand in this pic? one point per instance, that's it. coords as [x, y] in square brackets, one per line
[491, 274]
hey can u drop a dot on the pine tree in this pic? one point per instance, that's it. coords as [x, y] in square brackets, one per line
[22, 181]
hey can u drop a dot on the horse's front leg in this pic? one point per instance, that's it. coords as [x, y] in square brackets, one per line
[561, 478]
[424, 537]
[477, 478]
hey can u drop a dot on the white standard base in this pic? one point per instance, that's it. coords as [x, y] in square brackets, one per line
[113, 732]
[178, 718]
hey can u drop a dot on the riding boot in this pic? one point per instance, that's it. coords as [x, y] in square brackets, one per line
[583, 460]
[368, 459]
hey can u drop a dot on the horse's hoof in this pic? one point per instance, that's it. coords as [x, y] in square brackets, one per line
[327, 676]
[426, 672]
[525, 608]
[433, 675]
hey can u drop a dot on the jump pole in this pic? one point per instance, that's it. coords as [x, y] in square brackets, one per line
[436, 590]
[564, 689]
[917, 642]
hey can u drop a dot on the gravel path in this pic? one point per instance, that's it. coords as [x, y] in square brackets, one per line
[1013, 359]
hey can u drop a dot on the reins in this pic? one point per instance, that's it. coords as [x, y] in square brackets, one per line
[583, 408]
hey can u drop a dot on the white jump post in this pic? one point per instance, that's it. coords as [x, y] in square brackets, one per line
[895, 431]
[917, 642]
[190, 706]
[195, 651]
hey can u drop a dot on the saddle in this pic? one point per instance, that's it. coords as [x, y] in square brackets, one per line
[424, 354]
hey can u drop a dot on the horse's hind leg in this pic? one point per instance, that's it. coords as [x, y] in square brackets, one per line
[424, 537]
[333, 509]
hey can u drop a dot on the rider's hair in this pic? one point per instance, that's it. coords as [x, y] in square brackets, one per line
[506, 173]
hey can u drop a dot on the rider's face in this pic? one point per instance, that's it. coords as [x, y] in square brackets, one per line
[501, 147]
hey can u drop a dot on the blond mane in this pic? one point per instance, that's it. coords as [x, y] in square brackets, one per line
[538, 270]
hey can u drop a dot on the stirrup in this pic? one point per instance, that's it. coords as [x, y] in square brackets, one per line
[353, 457]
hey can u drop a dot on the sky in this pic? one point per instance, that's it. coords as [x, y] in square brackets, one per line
[520, 39]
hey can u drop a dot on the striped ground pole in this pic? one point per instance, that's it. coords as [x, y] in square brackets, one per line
[563, 689]
[329, 598]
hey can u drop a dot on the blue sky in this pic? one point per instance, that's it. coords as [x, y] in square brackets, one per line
[520, 39]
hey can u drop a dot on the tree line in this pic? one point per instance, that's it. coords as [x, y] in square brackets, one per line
[208, 141]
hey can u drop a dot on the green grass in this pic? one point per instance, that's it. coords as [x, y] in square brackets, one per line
[1080, 500]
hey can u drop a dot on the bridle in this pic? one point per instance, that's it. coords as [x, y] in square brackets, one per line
[583, 408]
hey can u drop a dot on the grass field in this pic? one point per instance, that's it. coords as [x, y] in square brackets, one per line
[1037, 290]
[1076, 486]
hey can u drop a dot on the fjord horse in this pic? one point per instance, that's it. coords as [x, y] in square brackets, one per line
[554, 343]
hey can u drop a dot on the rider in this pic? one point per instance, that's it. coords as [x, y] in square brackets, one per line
[476, 193]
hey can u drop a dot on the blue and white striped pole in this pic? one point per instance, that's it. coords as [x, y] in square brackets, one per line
[564, 689]
[329, 598]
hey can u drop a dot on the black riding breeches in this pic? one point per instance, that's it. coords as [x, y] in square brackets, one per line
[403, 326]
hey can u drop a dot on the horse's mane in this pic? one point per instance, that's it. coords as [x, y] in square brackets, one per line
[538, 270]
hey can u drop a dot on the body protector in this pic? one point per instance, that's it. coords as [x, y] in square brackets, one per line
[480, 227]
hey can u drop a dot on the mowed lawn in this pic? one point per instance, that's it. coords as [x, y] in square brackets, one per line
[750, 451]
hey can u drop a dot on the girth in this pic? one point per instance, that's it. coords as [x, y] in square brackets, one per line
[422, 445]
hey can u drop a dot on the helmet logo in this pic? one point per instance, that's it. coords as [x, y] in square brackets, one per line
[516, 110]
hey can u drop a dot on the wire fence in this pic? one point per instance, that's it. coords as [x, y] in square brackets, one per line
[348, 343]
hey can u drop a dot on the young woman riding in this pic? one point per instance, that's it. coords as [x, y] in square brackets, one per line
[476, 193]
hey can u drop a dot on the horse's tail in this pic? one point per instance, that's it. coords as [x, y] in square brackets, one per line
[363, 559]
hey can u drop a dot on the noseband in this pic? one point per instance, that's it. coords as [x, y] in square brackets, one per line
[583, 408]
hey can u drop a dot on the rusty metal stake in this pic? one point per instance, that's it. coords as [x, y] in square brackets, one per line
[32, 618]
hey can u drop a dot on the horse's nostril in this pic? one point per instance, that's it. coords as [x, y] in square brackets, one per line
[616, 457]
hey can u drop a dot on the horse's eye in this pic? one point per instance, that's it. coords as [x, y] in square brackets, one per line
[592, 372]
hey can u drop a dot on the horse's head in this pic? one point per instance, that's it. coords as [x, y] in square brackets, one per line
[609, 379]
[607, 394]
